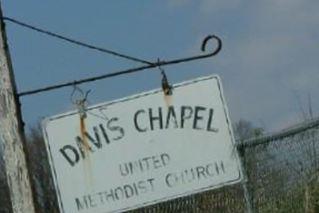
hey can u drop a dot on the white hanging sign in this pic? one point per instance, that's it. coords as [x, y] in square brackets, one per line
[143, 149]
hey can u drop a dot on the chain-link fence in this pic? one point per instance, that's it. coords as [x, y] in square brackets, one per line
[283, 168]
[282, 176]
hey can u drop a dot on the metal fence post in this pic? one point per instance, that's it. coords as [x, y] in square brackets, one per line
[247, 194]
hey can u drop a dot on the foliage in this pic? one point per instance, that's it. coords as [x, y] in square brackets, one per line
[5, 203]
[244, 129]
[46, 200]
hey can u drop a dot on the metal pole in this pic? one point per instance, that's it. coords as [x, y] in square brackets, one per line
[247, 195]
[12, 135]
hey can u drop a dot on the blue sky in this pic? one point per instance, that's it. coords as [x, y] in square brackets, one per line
[268, 64]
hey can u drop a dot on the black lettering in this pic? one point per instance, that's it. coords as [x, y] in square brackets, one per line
[190, 175]
[185, 115]
[210, 120]
[165, 159]
[124, 172]
[154, 118]
[168, 179]
[107, 140]
[80, 205]
[182, 175]
[75, 153]
[171, 114]
[193, 174]
[141, 186]
[134, 167]
[82, 146]
[135, 188]
[197, 117]
[92, 203]
[137, 127]
[151, 180]
[220, 167]
[111, 194]
[200, 171]
[97, 143]
[209, 169]
[140, 163]
[128, 190]
[146, 160]
[156, 162]
[101, 197]
[115, 128]
[116, 193]
[97, 137]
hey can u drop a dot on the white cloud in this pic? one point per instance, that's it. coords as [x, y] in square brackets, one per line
[269, 52]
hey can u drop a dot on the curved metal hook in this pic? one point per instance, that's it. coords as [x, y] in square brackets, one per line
[219, 44]
[193, 58]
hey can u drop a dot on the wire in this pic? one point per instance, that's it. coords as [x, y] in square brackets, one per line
[76, 42]
[148, 65]
[132, 70]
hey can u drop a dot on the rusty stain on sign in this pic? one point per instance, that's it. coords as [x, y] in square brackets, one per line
[83, 137]
[167, 89]
[87, 165]
[168, 99]
[82, 140]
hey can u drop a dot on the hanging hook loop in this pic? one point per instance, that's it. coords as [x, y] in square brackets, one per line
[210, 37]
[167, 88]
[80, 101]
